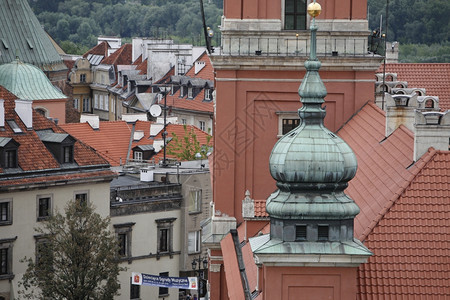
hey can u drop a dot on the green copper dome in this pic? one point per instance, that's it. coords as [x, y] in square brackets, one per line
[27, 82]
[312, 165]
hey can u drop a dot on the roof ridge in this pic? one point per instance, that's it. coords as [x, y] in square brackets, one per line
[420, 164]
[352, 116]
[406, 130]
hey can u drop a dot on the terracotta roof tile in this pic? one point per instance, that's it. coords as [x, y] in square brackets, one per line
[121, 56]
[382, 163]
[233, 277]
[33, 155]
[99, 49]
[115, 150]
[206, 73]
[411, 240]
[435, 78]
[260, 209]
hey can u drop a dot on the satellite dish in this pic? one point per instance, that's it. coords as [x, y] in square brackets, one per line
[155, 110]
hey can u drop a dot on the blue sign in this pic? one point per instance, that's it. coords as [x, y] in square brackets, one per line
[168, 282]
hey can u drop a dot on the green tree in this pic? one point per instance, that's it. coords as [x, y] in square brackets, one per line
[187, 146]
[76, 260]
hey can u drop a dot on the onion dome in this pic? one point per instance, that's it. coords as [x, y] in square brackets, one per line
[312, 165]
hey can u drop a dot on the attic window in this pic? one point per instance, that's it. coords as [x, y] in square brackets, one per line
[61, 145]
[207, 94]
[30, 44]
[190, 93]
[8, 153]
[300, 233]
[322, 232]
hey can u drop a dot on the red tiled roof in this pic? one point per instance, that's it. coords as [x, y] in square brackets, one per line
[206, 73]
[99, 49]
[112, 139]
[435, 78]
[383, 163]
[33, 155]
[196, 104]
[121, 56]
[230, 261]
[142, 67]
[411, 241]
[260, 209]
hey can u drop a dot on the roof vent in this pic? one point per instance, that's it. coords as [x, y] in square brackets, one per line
[138, 135]
[92, 120]
[199, 65]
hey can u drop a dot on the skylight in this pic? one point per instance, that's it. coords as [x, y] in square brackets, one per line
[14, 126]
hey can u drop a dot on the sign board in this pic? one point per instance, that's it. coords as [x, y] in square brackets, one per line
[168, 282]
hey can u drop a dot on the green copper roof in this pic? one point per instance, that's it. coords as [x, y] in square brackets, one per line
[21, 35]
[27, 82]
[311, 164]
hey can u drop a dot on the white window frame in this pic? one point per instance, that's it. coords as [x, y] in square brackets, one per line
[86, 105]
[207, 94]
[195, 201]
[75, 193]
[76, 103]
[190, 92]
[194, 242]
[96, 101]
[285, 115]
[138, 155]
[202, 125]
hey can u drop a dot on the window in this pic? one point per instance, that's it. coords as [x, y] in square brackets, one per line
[182, 91]
[6, 212]
[287, 120]
[194, 239]
[163, 291]
[165, 230]
[295, 14]
[11, 158]
[106, 102]
[44, 253]
[68, 154]
[183, 121]
[202, 125]
[6, 248]
[135, 290]
[207, 94]
[195, 201]
[4, 261]
[82, 77]
[82, 197]
[190, 94]
[76, 103]
[123, 234]
[138, 155]
[300, 232]
[289, 124]
[322, 232]
[44, 207]
[96, 101]
[86, 105]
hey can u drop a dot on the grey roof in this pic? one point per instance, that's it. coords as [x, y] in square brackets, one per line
[22, 35]
[51, 137]
[94, 59]
[4, 141]
[145, 147]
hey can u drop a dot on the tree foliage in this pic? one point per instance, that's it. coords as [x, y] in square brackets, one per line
[76, 258]
[87, 19]
[187, 146]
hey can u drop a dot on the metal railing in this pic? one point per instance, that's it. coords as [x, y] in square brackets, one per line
[293, 46]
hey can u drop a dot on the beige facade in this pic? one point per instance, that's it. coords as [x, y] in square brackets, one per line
[20, 235]
[80, 78]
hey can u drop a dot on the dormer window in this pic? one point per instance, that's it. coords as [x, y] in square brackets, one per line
[322, 232]
[207, 94]
[59, 144]
[82, 77]
[8, 149]
[182, 91]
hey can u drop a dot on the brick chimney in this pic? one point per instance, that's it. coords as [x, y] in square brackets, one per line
[432, 129]
[24, 110]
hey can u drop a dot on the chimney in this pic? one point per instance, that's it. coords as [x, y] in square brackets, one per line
[400, 111]
[2, 113]
[147, 174]
[432, 129]
[92, 120]
[24, 110]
